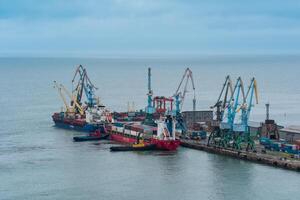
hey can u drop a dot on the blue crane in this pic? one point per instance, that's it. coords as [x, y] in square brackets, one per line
[89, 90]
[227, 135]
[180, 97]
[221, 106]
[84, 84]
[150, 108]
[78, 90]
[246, 110]
[232, 105]
[242, 129]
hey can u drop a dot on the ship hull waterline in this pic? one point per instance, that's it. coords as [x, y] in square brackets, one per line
[164, 145]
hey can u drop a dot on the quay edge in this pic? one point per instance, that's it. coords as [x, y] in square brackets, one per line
[243, 155]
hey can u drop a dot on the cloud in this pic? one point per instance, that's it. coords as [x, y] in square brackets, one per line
[140, 26]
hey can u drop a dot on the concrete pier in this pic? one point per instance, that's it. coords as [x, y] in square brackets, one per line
[244, 155]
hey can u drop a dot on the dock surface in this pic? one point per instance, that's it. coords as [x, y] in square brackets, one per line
[263, 158]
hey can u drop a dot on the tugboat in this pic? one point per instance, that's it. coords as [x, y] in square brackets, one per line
[138, 146]
[88, 116]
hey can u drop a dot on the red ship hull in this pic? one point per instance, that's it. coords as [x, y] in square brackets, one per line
[167, 145]
[123, 139]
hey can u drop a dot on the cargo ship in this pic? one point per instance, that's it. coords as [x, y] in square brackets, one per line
[157, 127]
[92, 120]
[162, 135]
[137, 116]
[88, 116]
[61, 120]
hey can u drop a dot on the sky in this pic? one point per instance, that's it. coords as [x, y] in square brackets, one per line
[148, 27]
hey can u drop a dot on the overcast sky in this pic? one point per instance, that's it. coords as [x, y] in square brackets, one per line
[145, 27]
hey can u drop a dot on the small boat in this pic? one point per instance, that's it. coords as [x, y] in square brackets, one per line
[134, 147]
[89, 138]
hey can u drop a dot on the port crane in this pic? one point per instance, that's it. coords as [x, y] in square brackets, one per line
[78, 90]
[226, 112]
[157, 106]
[226, 126]
[220, 106]
[60, 91]
[241, 129]
[222, 100]
[179, 96]
[232, 105]
[84, 85]
[150, 109]
[75, 106]
[81, 84]
[248, 103]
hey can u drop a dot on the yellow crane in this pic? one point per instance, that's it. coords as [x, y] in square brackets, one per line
[73, 98]
[59, 88]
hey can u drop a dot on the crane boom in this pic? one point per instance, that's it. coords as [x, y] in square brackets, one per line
[226, 92]
[68, 109]
[76, 104]
[239, 88]
[252, 90]
[248, 104]
[78, 91]
[253, 86]
[88, 80]
[243, 126]
[150, 108]
[180, 96]
[85, 85]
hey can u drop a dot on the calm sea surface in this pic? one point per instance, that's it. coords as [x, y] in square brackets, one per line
[39, 161]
